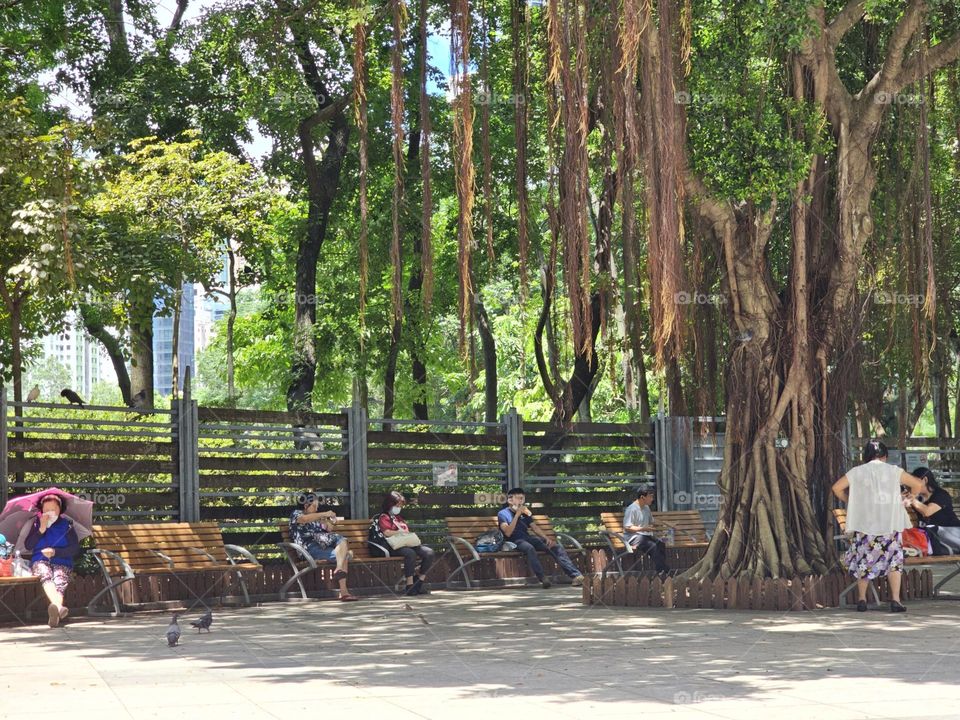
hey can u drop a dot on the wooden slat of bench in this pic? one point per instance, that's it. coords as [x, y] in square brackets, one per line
[19, 580]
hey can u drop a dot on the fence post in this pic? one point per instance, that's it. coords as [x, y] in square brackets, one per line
[4, 491]
[185, 421]
[513, 429]
[357, 460]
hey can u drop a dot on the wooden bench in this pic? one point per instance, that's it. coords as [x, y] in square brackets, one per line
[355, 531]
[462, 534]
[687, 525]
[840, 515]
[17, 594]
[125, 551]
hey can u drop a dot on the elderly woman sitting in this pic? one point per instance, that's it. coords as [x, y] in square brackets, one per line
[54, 543]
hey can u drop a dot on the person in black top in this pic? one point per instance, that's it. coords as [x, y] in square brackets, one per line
[934, 505]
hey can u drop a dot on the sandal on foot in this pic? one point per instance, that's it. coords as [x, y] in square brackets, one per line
[63, 613]
[348, 598]
[53, 615]
[339, 574]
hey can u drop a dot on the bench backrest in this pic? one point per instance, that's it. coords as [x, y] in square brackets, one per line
[134, 542]
[688, 526]
[472, 527]
[840, 515]
[355, 531]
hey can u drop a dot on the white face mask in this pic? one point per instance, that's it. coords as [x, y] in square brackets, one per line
[395, 510]
[52, 515]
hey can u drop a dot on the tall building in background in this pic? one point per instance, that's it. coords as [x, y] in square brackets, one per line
[211, 309]
[79, 353]
[163, 344]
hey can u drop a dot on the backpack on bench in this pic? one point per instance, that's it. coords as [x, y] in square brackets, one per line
[490, 541]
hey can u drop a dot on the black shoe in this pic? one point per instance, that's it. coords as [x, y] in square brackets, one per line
[861, 605]
[545, 584]
[897, 607]
[419, 588]
[411, 590]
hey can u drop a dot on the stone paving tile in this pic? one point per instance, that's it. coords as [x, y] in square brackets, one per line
[462, 655]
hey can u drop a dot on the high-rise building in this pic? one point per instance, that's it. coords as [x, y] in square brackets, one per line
[79, 353]
[163, 343]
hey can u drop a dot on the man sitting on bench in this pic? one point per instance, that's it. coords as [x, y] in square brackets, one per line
[638, 528]
[517, 523]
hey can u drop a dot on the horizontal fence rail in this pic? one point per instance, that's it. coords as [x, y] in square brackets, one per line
[573, 474]
[124, 460]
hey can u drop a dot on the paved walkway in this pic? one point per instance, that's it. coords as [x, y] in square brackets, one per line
[524, 653]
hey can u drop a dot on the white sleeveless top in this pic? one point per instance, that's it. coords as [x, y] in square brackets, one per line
[875, 506]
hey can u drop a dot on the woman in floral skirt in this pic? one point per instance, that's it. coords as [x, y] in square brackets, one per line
[876, 516]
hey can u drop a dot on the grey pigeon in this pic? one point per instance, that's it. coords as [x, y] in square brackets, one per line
[173, 631]
[33, 394]
[205, 621]
[71, 396]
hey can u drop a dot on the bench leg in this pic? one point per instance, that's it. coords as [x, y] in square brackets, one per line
[461, 570]
[110, 589]
[297, 574]
[944, 581]
[616, 560]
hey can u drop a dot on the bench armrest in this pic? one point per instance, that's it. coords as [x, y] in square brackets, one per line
[569, 539]
[127, 570]
[235, 551]
[608, 535]
[453, 540]
[299, 550]
[163, 557]
[378, 550]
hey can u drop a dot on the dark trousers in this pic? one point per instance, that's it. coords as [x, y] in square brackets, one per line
[410, 556]
[654, 548]
[532, 545]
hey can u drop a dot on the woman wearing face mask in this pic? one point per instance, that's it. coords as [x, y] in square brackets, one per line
[391, 523]
[54, 543]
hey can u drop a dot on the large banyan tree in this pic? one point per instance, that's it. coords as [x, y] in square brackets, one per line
[662, 151]
[791, 235]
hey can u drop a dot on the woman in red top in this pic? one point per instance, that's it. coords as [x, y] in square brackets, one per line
[391, 523]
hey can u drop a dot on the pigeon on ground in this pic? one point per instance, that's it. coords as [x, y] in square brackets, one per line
[173, 631]
[204, 622]
[33, 394]
[71, 396]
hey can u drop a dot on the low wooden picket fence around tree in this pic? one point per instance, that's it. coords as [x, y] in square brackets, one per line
[809, 593]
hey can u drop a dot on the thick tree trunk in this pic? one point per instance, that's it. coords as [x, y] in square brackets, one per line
[323, 179]
[489, 349]
[231, 323]
[175, 358]
[95, 328]
[141, 352]
[14, 311]
[584, 369]
[390, 372]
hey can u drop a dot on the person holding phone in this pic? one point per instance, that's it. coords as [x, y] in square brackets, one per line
[518, 526]
[54, 543]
